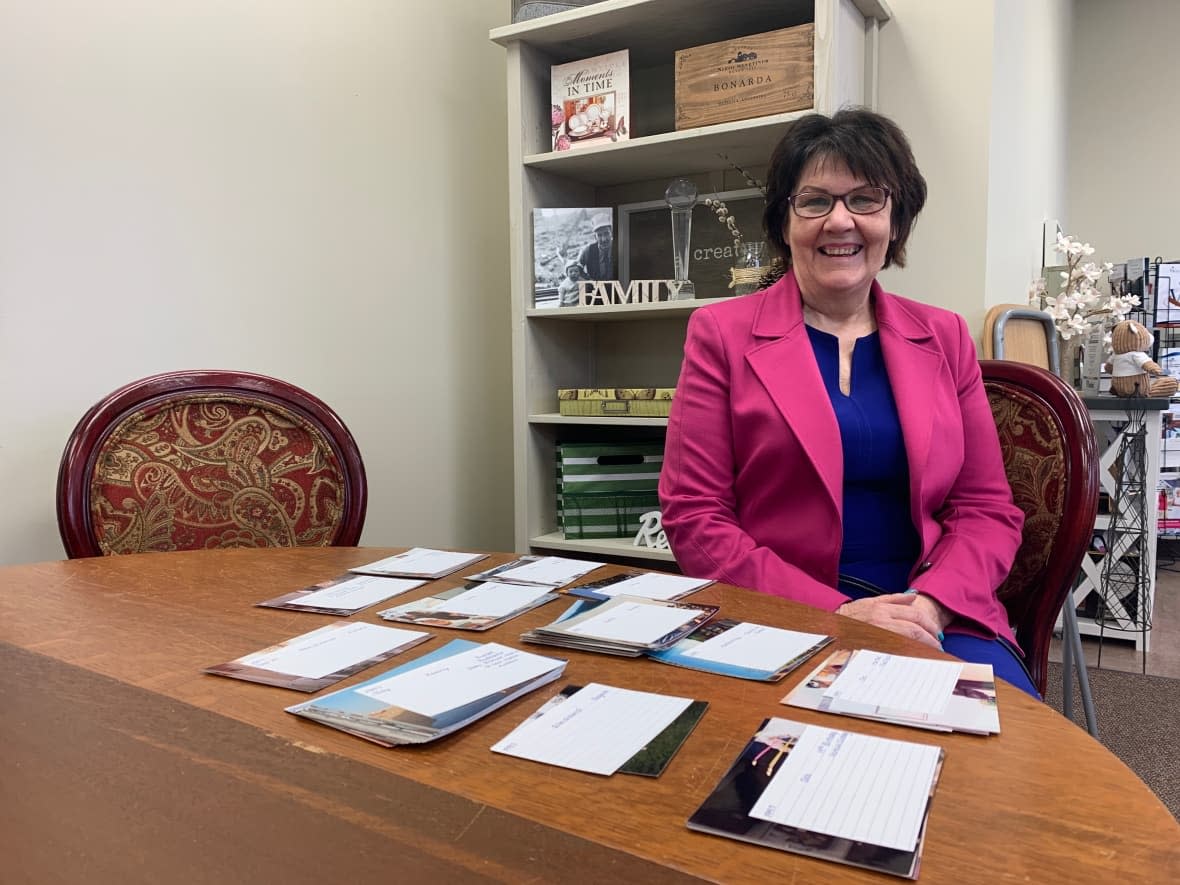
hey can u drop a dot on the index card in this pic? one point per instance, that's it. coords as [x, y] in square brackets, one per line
[653, 585]
[359, 592]
[329, 649]
[874, 681]
[852, 786]
[597, 729]
[494, 599]
[755, 646]
[549, 571]
[460, 679]
[420, 562]
[634, 622]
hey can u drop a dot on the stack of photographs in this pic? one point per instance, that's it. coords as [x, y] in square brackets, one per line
[479, 605]
[843, 797]
[419, 562]
[653, 585]
[629, 626]
[538, 571]
[969, 705]
[743, 650]
[433, 695]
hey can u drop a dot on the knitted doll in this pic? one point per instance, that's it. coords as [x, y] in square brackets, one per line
[1132, 370]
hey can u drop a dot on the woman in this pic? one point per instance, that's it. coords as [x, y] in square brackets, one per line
[831, 442]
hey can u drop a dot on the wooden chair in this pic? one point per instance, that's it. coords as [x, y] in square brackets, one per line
[1051, 459]
[206, 459]
[1018, 332]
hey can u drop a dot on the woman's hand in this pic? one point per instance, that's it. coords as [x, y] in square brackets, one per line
[912, 615]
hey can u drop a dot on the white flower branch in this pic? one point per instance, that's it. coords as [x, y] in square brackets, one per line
[1080, 305]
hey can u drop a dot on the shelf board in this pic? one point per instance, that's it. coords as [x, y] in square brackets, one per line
[668, 154]
[655, 29]
[618, 312]
[618, 421]
[1089, 627]
[600, 547]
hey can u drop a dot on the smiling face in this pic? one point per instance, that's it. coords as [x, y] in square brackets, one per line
[836, 257]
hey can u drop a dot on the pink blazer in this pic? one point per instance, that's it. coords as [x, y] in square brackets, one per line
[751, 486]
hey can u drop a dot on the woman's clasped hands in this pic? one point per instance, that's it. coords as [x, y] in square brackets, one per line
[910, 614]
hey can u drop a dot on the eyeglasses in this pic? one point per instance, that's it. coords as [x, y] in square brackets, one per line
[862, 201]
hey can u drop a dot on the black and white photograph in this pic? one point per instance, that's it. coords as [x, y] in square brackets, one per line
[570, 245]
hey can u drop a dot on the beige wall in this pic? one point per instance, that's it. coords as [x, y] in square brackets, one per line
[1027, 144]
[935, 81]
[979, 87]
[1124, 129]
[310, 190]
[317, 191]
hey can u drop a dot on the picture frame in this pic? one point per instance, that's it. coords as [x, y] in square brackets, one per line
[645, 240]
[562, 239]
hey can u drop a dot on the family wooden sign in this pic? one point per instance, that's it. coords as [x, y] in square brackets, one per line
[599, 293]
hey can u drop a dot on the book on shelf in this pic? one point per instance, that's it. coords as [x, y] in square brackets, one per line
[832, 795]
[591, 101]
[652, 585]
[602, 729]
[538, 571]
[902, 691]
[433, 695]
[419, 562]
[479, 605]
[571, 245]
[343, 595]
[629, 626]
[744, 650]
[322, 657]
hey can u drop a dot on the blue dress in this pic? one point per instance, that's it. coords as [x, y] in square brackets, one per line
[881, 544]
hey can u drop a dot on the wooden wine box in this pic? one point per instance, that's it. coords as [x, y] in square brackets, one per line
[746, 77]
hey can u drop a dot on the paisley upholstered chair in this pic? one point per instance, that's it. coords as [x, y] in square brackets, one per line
[1051, 459]
[209, 459]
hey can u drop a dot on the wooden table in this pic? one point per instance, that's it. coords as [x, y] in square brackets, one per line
[122, 762]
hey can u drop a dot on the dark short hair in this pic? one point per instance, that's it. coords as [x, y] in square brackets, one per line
[872, 146]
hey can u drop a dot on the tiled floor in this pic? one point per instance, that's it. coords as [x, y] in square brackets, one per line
[1164, 657]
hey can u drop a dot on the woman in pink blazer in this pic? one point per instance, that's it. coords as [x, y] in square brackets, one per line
[831, 442]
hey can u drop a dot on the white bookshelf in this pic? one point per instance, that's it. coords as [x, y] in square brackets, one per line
[631, 345]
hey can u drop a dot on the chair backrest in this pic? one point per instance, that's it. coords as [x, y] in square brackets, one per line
[202, 459]
[1022, 333]
[1051, 459]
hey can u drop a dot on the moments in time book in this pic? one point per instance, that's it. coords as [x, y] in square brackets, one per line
[591, 101]
[433, 695]
[833, 795]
